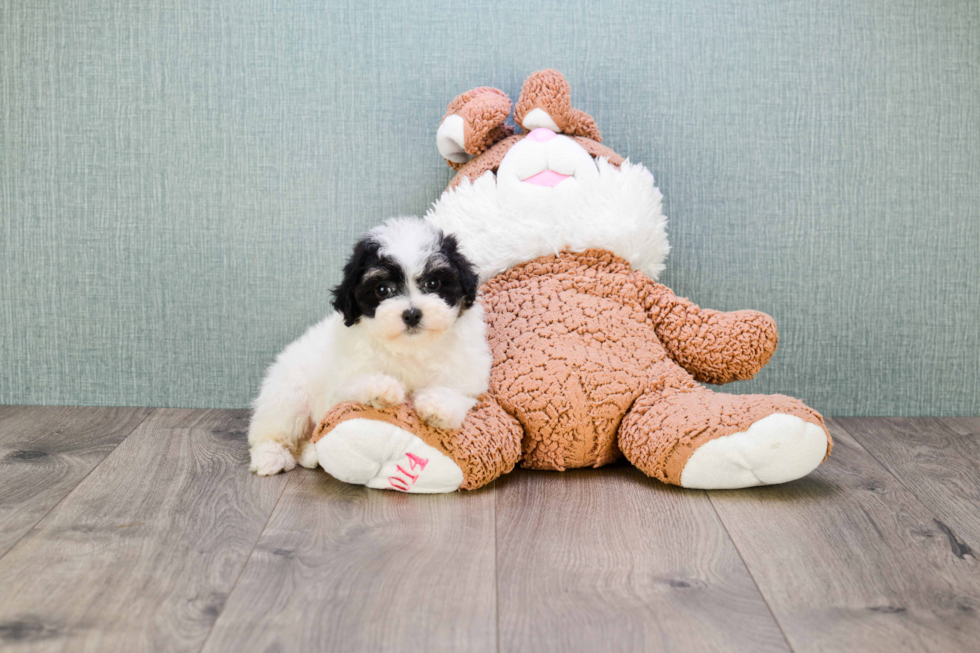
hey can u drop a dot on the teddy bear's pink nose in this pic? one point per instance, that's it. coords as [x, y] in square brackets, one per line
[541, 134]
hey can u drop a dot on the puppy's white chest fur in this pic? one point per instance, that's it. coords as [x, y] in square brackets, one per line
[460, 359]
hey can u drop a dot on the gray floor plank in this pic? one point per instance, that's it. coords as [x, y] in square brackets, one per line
[964, 425]
[346, 568]
[45, 451]
[938, 460]
[610, 560]
[8, 410]
[850, 560]
[141, 555]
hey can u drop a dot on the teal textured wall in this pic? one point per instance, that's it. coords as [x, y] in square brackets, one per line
[180, 180]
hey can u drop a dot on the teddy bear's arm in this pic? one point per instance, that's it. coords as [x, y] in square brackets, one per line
[714, 347]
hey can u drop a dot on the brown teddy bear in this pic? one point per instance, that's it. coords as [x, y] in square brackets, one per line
[592, 358]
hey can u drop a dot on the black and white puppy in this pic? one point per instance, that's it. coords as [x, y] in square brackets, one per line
[407, 325]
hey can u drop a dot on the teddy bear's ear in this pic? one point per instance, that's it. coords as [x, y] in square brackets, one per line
[473, 123]
[546, 101]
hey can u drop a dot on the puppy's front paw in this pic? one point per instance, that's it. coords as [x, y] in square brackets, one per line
[307, 456]
[270, 458]
[379, 391]
[442, 408]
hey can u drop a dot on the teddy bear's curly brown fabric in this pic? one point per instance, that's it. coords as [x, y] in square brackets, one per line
[483, 111]
[579, 360]
[549, 91]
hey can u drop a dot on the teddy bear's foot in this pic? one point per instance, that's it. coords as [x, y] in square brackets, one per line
[385, 457]
[394, 449]
[696, 438]
[776, 449]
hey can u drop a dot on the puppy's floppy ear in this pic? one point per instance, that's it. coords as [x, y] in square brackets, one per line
[344, 299]
[464, 269]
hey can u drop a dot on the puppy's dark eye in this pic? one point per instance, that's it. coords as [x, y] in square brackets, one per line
[431, 285]
[385, 290]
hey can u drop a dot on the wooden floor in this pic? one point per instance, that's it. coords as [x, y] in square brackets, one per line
[132, 529]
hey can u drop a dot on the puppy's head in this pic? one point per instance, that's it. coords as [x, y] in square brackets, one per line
[405, 280]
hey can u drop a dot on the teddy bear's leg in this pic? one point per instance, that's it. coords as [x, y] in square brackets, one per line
[392, 449]
[696, 438]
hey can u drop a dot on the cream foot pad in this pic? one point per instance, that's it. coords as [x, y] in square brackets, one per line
[776, 449]
[383, 456]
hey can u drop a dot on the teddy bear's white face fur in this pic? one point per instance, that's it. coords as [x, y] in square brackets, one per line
[550, 195]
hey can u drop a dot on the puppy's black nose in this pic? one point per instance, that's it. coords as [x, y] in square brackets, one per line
[412, 317]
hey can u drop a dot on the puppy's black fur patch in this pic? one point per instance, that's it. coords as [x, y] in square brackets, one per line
[458, 280]
[357, 294]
